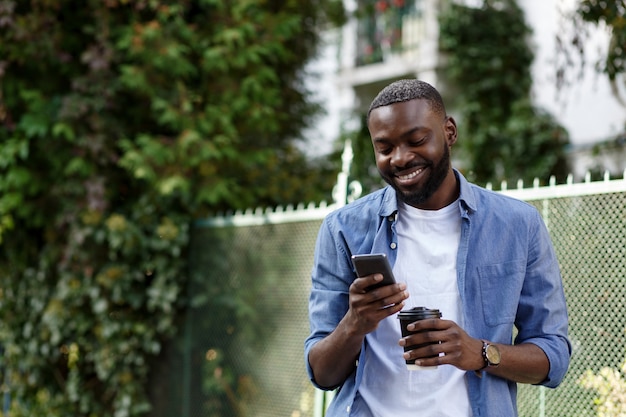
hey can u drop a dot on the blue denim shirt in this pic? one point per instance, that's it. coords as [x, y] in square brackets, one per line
[507, 273]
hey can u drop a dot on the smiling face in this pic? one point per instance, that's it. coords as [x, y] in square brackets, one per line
[412, 148]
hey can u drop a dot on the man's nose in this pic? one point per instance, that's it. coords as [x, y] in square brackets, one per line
[401, 156]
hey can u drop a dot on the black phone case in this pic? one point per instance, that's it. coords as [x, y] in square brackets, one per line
[372, 264]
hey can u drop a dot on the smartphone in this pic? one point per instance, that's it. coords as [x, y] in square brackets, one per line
[372, 264]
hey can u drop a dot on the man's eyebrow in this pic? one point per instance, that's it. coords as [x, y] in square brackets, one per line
[403, 135]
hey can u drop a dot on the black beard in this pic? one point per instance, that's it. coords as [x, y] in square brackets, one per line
[434, 181]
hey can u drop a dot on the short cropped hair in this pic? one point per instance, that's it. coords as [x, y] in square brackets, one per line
[406, 90]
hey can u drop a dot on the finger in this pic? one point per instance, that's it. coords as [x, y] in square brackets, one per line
[435, 324]
[388, 291]
[392, 300]
[435, 361]
[356, 287]
[390, 309]
[361, 284]
[421, 338]
[429, 354]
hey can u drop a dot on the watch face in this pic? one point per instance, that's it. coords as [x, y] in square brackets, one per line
[493, 355]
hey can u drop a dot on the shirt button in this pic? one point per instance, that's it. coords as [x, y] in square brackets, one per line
[393, 245]
[348, 409]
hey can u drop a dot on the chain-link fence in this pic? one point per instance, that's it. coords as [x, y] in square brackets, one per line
[242, 349]
[589, 234]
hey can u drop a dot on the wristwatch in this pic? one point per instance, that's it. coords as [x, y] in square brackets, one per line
[491, 356]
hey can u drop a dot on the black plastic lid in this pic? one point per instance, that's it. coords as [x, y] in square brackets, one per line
[419, 313]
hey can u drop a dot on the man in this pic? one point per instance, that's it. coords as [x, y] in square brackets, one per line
[483, 259]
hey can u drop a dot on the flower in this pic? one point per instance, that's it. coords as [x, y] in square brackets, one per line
[381, 6]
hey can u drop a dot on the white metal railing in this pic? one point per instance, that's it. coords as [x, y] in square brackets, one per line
[569, 189]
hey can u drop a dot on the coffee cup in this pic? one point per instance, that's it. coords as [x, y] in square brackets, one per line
[407, 317]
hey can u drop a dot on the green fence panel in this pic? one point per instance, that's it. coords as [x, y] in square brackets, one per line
[250, 286]
[589, 235]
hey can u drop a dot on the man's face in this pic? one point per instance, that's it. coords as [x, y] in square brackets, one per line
[411, 145]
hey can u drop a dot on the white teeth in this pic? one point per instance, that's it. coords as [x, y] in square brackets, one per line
[409, 176]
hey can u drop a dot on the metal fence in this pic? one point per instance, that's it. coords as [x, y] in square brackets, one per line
[242, 348]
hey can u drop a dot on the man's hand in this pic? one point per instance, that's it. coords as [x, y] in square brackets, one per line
[333, 358]
[445, 336]
[525, 363]
[368, 308]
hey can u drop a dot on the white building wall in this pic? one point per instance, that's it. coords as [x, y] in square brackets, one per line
[587, 109]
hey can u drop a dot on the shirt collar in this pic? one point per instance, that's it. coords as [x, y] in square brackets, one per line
[466, 197]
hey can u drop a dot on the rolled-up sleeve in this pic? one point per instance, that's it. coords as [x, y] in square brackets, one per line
[542, 317]
[331, 278]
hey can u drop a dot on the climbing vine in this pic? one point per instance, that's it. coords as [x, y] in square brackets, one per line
[487, 66]
[122, 121]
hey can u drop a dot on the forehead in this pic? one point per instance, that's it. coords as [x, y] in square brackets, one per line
[417, 112]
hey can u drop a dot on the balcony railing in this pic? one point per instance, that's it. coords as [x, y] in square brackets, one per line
[387, 29]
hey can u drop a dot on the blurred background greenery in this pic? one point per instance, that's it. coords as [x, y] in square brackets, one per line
[123, 121]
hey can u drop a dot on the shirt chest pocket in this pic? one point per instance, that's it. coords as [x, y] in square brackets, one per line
[500, 287]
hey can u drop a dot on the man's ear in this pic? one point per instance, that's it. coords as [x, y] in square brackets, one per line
[450, 130]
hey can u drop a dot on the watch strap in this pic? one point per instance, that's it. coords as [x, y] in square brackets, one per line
[479, 372]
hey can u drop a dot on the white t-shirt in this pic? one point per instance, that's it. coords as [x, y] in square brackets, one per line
[428, 242]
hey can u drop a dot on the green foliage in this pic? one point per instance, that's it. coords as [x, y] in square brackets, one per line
[613, 15]
[610, 387]
[574, 33]
[503, 137]
[120, 122]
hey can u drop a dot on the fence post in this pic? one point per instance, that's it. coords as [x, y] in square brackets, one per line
[344, 192]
